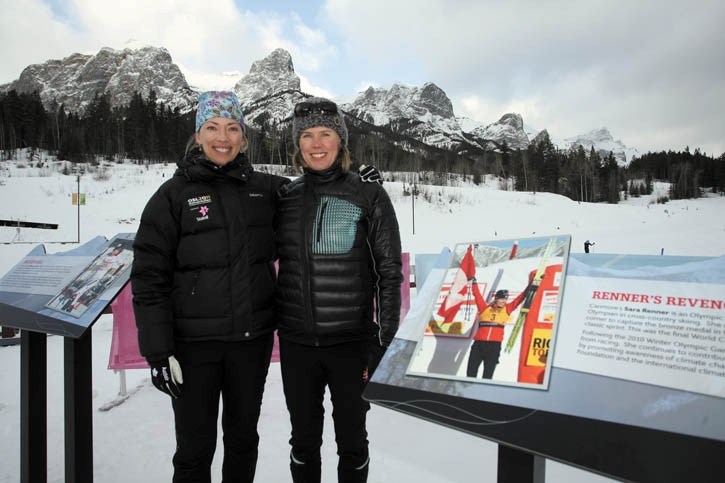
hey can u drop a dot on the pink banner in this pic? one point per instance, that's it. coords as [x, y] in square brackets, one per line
[124, 343]
[275, 349]
[405, 286]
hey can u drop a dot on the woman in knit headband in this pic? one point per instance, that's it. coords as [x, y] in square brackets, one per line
[203, 285]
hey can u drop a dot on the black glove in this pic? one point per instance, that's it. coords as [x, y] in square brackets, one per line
[166, 376]
[375, 354]
[369, 174]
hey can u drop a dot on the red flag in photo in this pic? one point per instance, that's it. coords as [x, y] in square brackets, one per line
[459, 288]
[514, 249]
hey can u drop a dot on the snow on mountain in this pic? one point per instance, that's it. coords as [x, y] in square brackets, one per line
[271, 75]
[75, 80]
[270, 90]
[601, 139]
[541, 136]
[381, 106]
[467, 124]
[510, 128]
[602, 142]
[275, 110]
[223, 81]
[424, 113]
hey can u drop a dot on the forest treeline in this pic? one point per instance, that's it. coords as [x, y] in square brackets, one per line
[149, 132]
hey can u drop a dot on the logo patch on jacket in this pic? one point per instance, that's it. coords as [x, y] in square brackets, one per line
[200, 204]
[199, 200]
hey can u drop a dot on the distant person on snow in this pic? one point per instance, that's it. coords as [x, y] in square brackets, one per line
[587, 244]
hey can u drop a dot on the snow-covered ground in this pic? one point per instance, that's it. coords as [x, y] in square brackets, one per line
[135, 441]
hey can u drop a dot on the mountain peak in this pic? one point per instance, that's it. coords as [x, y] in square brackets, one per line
[75, 80]
[271, 89]
[379, 106]
[134, 44]
[541, 137]
[278, 61]
[512, 119]
[601, 135]
[273, 74]
[509, 128]
[603, 142]
[436, 100]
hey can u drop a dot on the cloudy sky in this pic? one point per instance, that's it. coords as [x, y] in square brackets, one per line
[652, 71]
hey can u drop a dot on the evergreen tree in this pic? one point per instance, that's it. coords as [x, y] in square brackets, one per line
[549, 166]
[98, 124]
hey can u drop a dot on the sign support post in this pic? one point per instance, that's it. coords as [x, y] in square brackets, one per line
[33, 407]
[78, 408]
[517, 466]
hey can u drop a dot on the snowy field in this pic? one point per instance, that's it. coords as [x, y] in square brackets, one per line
[135, 441]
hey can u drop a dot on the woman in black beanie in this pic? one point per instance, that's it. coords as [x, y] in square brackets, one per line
[338, 291]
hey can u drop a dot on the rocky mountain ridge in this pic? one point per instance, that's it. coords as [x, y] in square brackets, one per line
[75, 80]
[270, 90]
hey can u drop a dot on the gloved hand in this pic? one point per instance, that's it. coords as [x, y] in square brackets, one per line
[166, 376]
[375, 354]
[370, 174]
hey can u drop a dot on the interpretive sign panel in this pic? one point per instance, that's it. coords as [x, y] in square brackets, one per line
[662, 325]
[612, 421]
[64, 293]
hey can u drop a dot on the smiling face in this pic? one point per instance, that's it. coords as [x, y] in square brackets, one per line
[319, 147]
[500, 302]
[221, 139]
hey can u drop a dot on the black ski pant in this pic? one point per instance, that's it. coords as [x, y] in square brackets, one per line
[306, 371]
[237, 371]
[486, 351]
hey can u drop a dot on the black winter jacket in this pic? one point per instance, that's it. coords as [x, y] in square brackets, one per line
[338, 244]
[203, 257]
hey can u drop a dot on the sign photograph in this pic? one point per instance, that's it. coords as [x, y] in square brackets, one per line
[494, 317]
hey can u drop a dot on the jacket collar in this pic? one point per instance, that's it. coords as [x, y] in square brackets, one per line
[195, 167]
[326, 175]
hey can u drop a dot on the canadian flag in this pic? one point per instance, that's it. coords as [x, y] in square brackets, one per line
[459, 291]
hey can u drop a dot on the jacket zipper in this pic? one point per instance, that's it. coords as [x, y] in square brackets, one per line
[306, 250]
[193, 285]
[319, 221]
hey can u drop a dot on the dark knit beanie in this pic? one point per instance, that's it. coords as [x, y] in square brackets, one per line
[318, 112]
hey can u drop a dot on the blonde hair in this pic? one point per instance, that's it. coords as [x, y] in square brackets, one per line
[343, 156]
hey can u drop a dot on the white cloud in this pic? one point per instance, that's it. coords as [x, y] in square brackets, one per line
[364, 84]
[652, 71]
[204, 41]
[308, 87]
[635, 67]
[29, 33]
